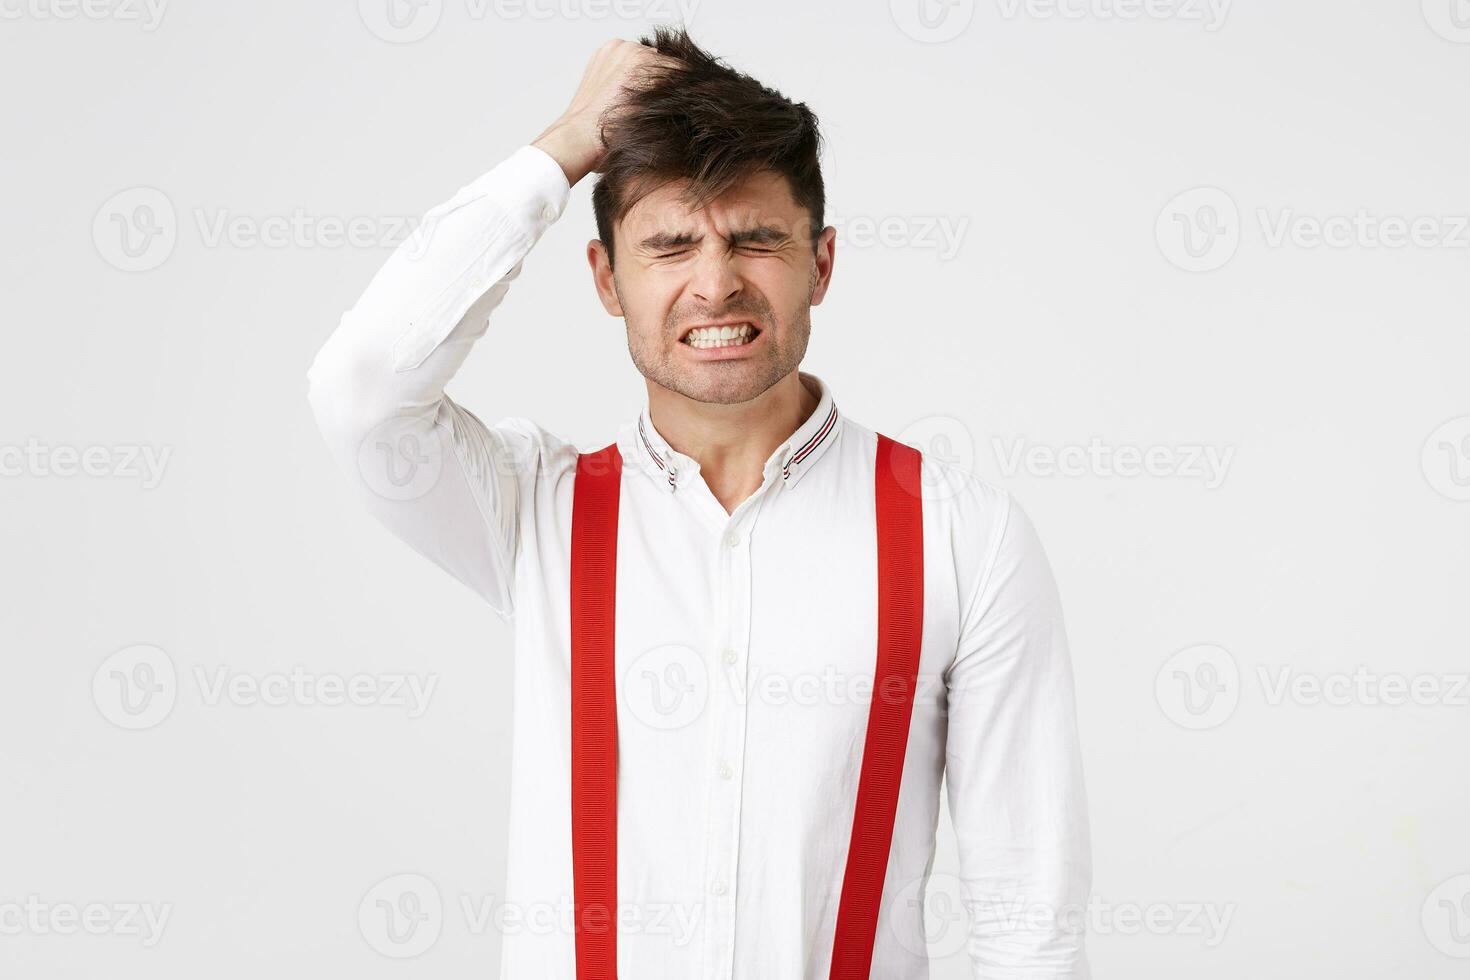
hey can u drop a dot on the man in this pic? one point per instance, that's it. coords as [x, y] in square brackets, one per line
[750, 801]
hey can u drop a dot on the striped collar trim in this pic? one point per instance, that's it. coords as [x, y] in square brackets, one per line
[816, 439]
[795, 456]
[654, 454]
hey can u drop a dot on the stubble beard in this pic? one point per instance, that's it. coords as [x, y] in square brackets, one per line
[726, 382]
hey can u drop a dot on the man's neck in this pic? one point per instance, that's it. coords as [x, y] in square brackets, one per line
[731, 443]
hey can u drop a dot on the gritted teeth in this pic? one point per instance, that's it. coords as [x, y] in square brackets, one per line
[732, 335]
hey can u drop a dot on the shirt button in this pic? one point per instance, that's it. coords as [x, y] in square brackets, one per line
[731, 656]
[549, 213]
[732, 539]
[719, 888]
[726, 772]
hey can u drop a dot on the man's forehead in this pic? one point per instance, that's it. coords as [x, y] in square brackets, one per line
[761, 199]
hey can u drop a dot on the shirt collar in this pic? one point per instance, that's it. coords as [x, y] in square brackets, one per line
[790, 460]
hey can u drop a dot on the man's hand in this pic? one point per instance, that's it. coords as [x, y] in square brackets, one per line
[575, 139]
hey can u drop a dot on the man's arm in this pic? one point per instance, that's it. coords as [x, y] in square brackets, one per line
[431, 471]
[1014, 770]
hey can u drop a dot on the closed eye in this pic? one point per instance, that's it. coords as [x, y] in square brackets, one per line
[749, 249]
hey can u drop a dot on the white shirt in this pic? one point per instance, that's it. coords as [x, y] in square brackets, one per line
[744, 644]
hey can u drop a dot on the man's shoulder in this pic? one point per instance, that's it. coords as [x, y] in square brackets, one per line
[527, 447]
[949, 484]
[546, 450]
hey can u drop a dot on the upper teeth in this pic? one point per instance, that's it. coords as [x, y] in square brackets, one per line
[703, 336]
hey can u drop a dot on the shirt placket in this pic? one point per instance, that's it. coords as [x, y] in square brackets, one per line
[726, 760]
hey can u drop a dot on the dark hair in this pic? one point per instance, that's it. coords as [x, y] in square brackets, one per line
[702, 120]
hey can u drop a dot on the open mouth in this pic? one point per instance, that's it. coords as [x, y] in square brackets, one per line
[725, 335]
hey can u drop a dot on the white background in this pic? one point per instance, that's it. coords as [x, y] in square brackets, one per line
[1241, 829]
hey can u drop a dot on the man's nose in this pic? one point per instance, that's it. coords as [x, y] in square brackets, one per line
[716, 278]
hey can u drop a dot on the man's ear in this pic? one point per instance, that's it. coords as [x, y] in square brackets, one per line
[602, 277]
[826, 255]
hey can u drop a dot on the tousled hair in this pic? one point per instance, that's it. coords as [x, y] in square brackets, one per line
[702, 121]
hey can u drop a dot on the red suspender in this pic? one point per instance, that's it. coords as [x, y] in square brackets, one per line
[595, 713]
[900, 528]
[900, 630]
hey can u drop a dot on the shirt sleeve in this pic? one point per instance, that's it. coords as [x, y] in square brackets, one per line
[431, 471]
[1014, 771]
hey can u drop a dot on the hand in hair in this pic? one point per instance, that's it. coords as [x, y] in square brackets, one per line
[574, 140]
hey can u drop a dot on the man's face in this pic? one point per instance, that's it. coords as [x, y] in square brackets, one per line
[746, 258]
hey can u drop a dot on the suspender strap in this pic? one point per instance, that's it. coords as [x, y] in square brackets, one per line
[594, 740]
[900, 630]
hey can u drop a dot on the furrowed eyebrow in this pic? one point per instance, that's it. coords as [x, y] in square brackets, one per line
[760, 235]
[666, 240]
